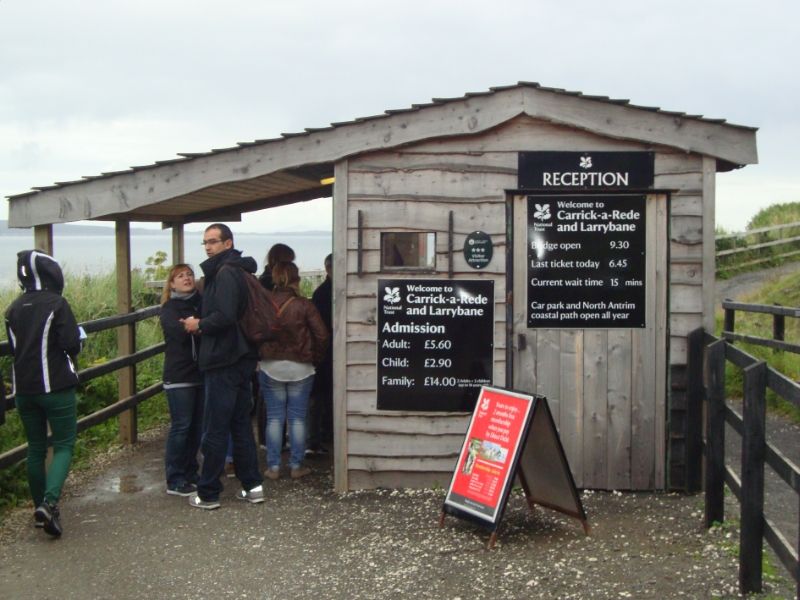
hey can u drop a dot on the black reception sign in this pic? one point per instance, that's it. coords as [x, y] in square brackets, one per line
[435, 343]
[586, 261]
[586, 170]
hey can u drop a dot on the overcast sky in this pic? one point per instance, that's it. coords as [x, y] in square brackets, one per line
[100, 85]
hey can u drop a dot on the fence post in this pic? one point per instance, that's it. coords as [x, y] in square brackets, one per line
[694, 410]
[753, 452]
[715, 435]
[778, 328]
[730, 320]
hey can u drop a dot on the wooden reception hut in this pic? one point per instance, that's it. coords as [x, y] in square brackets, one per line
[463, 191]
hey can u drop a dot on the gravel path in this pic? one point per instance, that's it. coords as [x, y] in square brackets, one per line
[124, 538]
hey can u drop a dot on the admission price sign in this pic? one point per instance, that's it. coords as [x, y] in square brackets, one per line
[586, 261]
[435, 343]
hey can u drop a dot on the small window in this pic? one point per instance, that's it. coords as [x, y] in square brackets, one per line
[408, 250]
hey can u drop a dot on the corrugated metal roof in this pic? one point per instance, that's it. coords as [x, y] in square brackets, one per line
[188, 156]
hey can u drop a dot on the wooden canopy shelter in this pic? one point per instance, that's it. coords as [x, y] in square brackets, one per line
[405, 169]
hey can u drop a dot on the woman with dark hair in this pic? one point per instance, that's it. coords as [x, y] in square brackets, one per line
[45, 340]
[183, 381]
[277, 253]
[286, 370]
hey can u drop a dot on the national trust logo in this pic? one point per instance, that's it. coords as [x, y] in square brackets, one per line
[586, 162]
[542, 212]
[392, 295]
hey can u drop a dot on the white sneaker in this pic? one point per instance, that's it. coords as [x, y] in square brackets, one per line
[253, 496]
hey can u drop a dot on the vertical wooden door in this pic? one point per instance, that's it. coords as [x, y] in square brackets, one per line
[606, 387]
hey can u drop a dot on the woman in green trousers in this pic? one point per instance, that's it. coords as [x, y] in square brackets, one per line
[45, 340]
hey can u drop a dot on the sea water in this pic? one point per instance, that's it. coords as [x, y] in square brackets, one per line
[94, 254]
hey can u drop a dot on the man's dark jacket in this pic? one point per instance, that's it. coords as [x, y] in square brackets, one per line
[224, 300]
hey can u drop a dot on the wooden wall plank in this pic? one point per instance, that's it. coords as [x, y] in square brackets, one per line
[595, 408]
[689, 205]
[433, 183]
[660, 346]
[360, 480]
[686, 229]
[430, 214]
[644, 370]
[709, 247]
[391, 422]
[619, 409]
[677, 350]
[686, 273]
[402, 444]
[682, 324]
[526, 133]
[425, 464]
[340, 329]
[686, 298]
[548, 363]
[685, 252]
[571, 409]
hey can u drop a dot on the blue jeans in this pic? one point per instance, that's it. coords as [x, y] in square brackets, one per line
[183, 441]
[227, 413]
[285, 400]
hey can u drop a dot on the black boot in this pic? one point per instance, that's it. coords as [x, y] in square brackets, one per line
[48, 514]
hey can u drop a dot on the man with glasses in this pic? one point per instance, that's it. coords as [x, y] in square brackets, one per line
[228, 362]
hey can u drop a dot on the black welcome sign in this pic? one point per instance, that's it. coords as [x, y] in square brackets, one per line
[572, 171]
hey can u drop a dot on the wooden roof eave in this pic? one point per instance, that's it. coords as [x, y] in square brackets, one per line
[128, 191]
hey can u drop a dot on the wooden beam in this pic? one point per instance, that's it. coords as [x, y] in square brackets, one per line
[126, 334]
[43, 238]
[340, 478]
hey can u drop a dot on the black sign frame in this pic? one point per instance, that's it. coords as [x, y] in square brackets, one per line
[588, 170]
[575, 278]
[427, 360]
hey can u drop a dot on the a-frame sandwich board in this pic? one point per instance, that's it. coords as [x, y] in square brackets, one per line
[510, 434]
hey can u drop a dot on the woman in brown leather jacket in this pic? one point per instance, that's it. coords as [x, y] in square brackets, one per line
[286, 369]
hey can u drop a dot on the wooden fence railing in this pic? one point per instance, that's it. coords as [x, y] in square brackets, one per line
[707, 357]
[13, 456]
[777, 243]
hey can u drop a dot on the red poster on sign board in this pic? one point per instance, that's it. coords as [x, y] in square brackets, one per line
[485, 465]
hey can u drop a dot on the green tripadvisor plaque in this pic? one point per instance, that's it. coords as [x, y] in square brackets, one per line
[478, 249]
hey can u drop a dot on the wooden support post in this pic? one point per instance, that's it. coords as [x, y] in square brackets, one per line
[715, 434]
[751, 534]
[694, 411]
[43, 238]
[178, 252]
[126, 334]
[339, 346]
